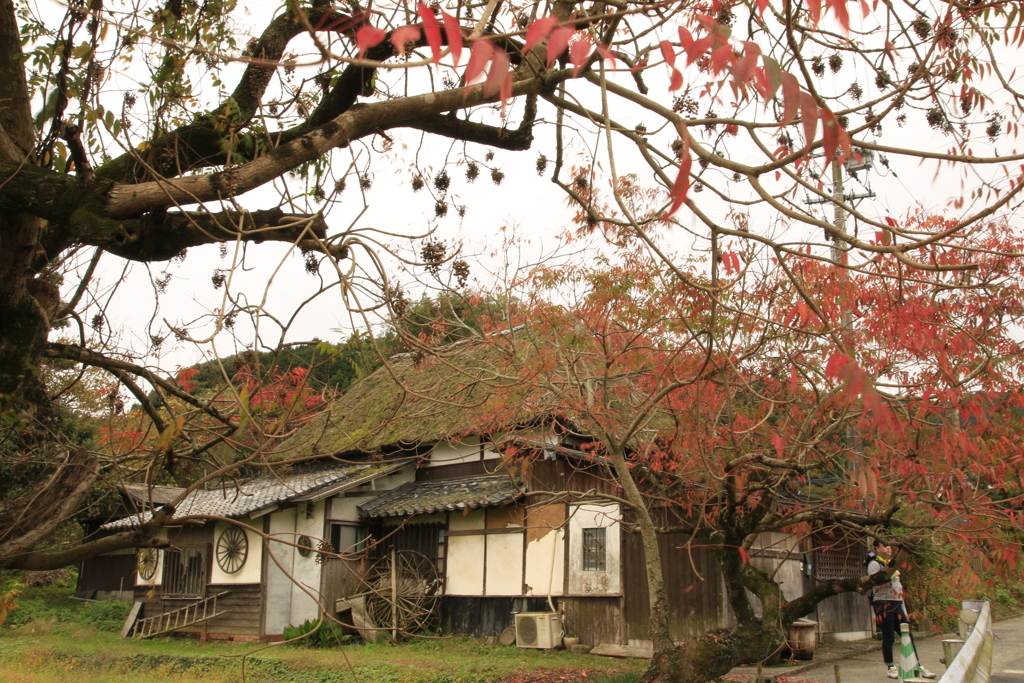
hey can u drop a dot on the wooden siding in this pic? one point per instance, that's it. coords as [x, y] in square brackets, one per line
[595, 620]
[242, 604]
[458, 470]
[481, 617]
[108, 573]
[693, 580]
[341, 578]
[845, 612]
[560, 475]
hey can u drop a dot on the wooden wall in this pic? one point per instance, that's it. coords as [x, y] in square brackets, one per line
[692, 578]
[242, 605]
[848, 612]
[595, 620]
[341, 578]
[108, 573]
[482, 617]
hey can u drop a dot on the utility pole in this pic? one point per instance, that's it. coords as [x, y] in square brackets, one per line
[840, 248]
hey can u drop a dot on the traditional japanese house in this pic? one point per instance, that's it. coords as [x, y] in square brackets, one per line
[463, 511]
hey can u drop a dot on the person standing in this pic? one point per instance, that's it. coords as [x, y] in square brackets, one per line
[890, 611]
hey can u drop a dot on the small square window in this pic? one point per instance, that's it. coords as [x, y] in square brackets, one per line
[594, 553]
[346, 538]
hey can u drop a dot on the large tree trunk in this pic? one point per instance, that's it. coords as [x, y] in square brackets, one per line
[713, 654]
[666, 663]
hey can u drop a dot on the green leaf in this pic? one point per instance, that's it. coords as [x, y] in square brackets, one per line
[83, 52]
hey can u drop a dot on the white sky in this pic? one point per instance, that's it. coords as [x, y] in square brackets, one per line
[524, 203]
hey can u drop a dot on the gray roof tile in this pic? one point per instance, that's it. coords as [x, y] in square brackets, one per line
[448, 495]
[248, 496]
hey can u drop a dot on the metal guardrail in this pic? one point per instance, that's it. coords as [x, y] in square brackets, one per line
[973, 664]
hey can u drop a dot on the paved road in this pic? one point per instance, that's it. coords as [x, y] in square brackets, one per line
[867, 667]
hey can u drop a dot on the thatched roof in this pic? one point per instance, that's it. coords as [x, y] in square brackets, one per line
[471, 388]
[421, 399]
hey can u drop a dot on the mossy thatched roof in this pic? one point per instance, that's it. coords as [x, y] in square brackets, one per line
[476, 387]
[420, 399]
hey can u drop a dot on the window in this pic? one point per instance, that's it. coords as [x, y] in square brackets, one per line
[594, 556]
[185, 571]
[346, 538]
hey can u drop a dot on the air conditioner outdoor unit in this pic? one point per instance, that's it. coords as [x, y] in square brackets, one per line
[541, 630]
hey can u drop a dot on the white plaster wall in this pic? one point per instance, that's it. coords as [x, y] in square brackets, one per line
[306, 570]
[158, 575]
[608, 582]
[504, 564]
[545, 564]
[453, 452]
[472, 521]
[465, 565]
[278, 605]
[344, 509]
[252, 570]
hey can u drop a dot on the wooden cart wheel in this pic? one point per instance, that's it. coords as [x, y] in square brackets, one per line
[148, 560]
[232, 549]
[403, 592]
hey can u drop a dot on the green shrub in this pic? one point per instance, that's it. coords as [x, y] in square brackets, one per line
[316, 634]
[108, 615]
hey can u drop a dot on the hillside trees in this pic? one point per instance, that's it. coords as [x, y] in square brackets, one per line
[797, 398]
[137, 132]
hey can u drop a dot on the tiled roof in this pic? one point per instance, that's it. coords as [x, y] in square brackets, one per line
[157, 495]
[448, 495]
[248, 496]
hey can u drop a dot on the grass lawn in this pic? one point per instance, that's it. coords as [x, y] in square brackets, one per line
[49, 650]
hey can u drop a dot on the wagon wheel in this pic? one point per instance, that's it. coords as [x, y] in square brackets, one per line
[403, 592]
[232, 550]
[148, 560]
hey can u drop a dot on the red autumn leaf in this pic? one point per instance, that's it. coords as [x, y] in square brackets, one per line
[744, 556]
[809, 117]
[478, 58]
[367, 37]
[454, 33]
[682, 184]
[677, 80]
[431, 29]
[743, 68]
[579, 52]
[403, 35]
[697, 49]
[762, 5]
[722, 57]
[668, 52]
[842, 15]
[891, 222]
[340, 23]
[790, 317]
[835, 364]
[779, 445]
[606, 53]
[538, 31]
[685, 38]
[498, 73]
[814, 9]
[506, 89]
[790, 97]
[558, 41]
